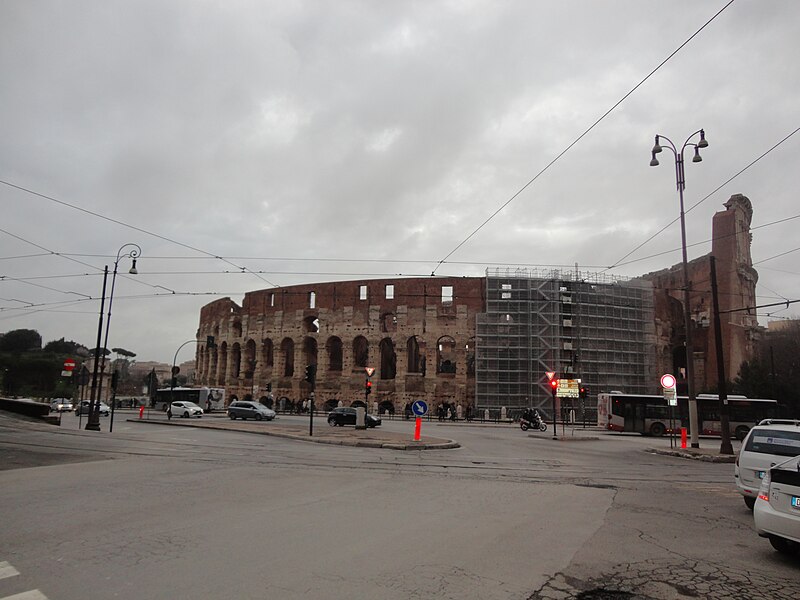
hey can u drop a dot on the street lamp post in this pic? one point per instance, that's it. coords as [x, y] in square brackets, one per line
[93, 420]
[687, 318]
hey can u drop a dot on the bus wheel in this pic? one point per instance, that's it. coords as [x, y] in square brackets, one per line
[657, 429]
[741, 432]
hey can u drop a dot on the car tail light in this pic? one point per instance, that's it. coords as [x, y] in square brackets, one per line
[763, 491]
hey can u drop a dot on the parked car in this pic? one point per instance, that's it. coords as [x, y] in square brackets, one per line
[770, 442]
[60, 405]
[185, 409]
[245, 409]
[777, 508]
[346, 415]
[83, 409]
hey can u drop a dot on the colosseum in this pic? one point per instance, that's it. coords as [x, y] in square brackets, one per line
[481, 342]
[418, 335]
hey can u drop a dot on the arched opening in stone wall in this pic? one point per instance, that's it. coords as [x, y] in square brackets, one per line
[211, 376]
[236, 360]
[266, 401]
[287, 350]
[388, 359]
[267, 358]
[360, 352]
[237, 329]
[413, 355]
[249, 358]
[446, 355]
[330, 404]
[388, 322]
[309, 351]
[679, 369]
[311, 324]
[386, 408]
[222, 371]
[334, 349]
[470, 353]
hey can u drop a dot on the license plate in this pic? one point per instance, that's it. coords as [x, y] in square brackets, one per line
[796, 502]
[761, 474]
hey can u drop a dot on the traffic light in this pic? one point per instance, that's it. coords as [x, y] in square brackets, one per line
[367, 387]
[582, 393]
[311, 373]
[554, 386]
[210, 342]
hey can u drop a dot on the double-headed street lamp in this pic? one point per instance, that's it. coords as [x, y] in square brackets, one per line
[687, 318]
[134, 251]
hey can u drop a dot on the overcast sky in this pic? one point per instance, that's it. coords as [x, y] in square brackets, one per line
[282, 135]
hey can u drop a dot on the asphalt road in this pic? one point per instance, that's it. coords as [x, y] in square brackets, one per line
[150, 511]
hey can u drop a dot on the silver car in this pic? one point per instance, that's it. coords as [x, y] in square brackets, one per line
[245, 409]
[83, 409]
[770, 442]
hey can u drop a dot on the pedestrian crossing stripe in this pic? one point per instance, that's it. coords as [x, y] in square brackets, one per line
[6, 570]
[32, 595]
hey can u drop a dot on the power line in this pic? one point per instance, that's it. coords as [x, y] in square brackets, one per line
[698, 203]
[580, 137]
[122, 223]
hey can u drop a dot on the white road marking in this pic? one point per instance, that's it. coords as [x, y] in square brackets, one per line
[32, 595]
[6, 570]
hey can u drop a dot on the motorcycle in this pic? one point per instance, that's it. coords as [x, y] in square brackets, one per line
[535, 423]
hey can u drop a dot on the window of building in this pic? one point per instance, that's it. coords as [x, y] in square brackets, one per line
[362, 292]
[389, 291]
[312, 300]
[272, 299]
[447, 293]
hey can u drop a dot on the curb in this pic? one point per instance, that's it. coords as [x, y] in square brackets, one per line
[715, 458]
[448, 445]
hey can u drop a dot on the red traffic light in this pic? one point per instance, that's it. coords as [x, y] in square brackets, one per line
[554, 383]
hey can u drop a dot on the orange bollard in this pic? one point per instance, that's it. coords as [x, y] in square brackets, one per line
[683, 437]
[417, 427]
[141, 411]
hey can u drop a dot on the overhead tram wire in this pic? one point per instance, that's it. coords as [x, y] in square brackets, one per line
[619, 262]
[581, 136]
[135, 228]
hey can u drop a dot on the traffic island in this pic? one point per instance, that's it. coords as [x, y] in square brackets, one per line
[336, 436]
[703, 454]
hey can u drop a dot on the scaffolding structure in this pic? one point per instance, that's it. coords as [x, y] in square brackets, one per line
[588, 326]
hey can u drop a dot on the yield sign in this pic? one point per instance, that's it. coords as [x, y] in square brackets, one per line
[550, 375]
[370, 371]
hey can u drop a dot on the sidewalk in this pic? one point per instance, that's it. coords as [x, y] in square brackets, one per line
[323, 433]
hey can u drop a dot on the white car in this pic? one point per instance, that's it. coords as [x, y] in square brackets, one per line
[777, 508]
[182, 408]
[61, 405]
[770, 442]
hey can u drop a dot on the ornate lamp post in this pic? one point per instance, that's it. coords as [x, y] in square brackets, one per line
[93, 421]
[687, 319]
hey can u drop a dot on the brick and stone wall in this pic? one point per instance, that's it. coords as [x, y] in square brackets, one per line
[418, 335]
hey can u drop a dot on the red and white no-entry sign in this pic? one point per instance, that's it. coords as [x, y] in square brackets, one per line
[69, 364]
[668, 381]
